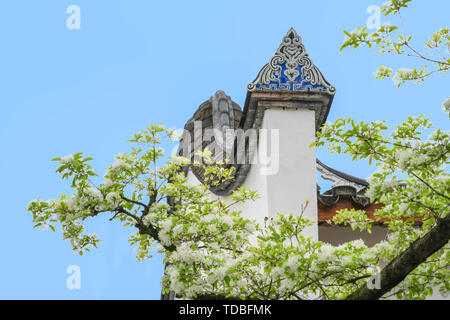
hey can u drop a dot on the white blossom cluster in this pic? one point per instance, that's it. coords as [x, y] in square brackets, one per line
[122, 162]
[387, 5]
[67, 159]
[353, 36]
[446, 105]
[211, 249]
[180, 161]
[217, 271]
[403, 74]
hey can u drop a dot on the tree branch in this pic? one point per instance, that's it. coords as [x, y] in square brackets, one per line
[153, 232]
[407, 261]
[133, 201]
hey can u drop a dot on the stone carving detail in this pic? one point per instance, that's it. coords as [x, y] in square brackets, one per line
[291, 69]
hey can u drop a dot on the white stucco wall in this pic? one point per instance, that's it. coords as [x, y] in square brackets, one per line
[285, 176]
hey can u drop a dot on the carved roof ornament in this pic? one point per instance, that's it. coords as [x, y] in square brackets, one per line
[291, 69]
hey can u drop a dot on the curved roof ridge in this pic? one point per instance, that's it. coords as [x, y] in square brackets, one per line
[341, 174]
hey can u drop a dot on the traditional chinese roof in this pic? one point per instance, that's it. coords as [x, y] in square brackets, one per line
[289, 80]
[344, 185]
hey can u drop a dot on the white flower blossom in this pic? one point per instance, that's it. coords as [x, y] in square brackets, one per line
[403, 74]
[220, 273]
[387, 5]
[276, 219]
[241, 283]
[354, 34]
[227, 220]
[293, 263]
[386, 25]
[286, 285]
[108, 182]
[327, 129]
[178, 229]
[192, 291]
[149, 218]
[367, 255]
[120, 164]
[180, 161]
[166, 226]
[170, 189]
[185, 254]
[112, 199]
[72, 204]
[345, 260]
[44, 225]
[402, 207]
[193, 229]
[433, 136]
[94, 194]
[358, 244]
[93, 235]
[277, 272]
[231, 234]
[250, 226]
[207, 218]
[164, 238]
[36, 202]
[67, 159]
[446, 105]
[159, 206]
[326, 253]
[404, 157]
[383, 246]
[391, 183]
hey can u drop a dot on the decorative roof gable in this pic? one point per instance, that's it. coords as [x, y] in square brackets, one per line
[291, 69]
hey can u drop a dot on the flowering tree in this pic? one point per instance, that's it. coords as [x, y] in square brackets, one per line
[393, 40]
[411, 180]
[212, 250]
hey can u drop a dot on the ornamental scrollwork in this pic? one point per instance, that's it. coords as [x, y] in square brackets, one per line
[291, 69]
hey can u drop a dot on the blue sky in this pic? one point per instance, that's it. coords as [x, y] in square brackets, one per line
[134, 63]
